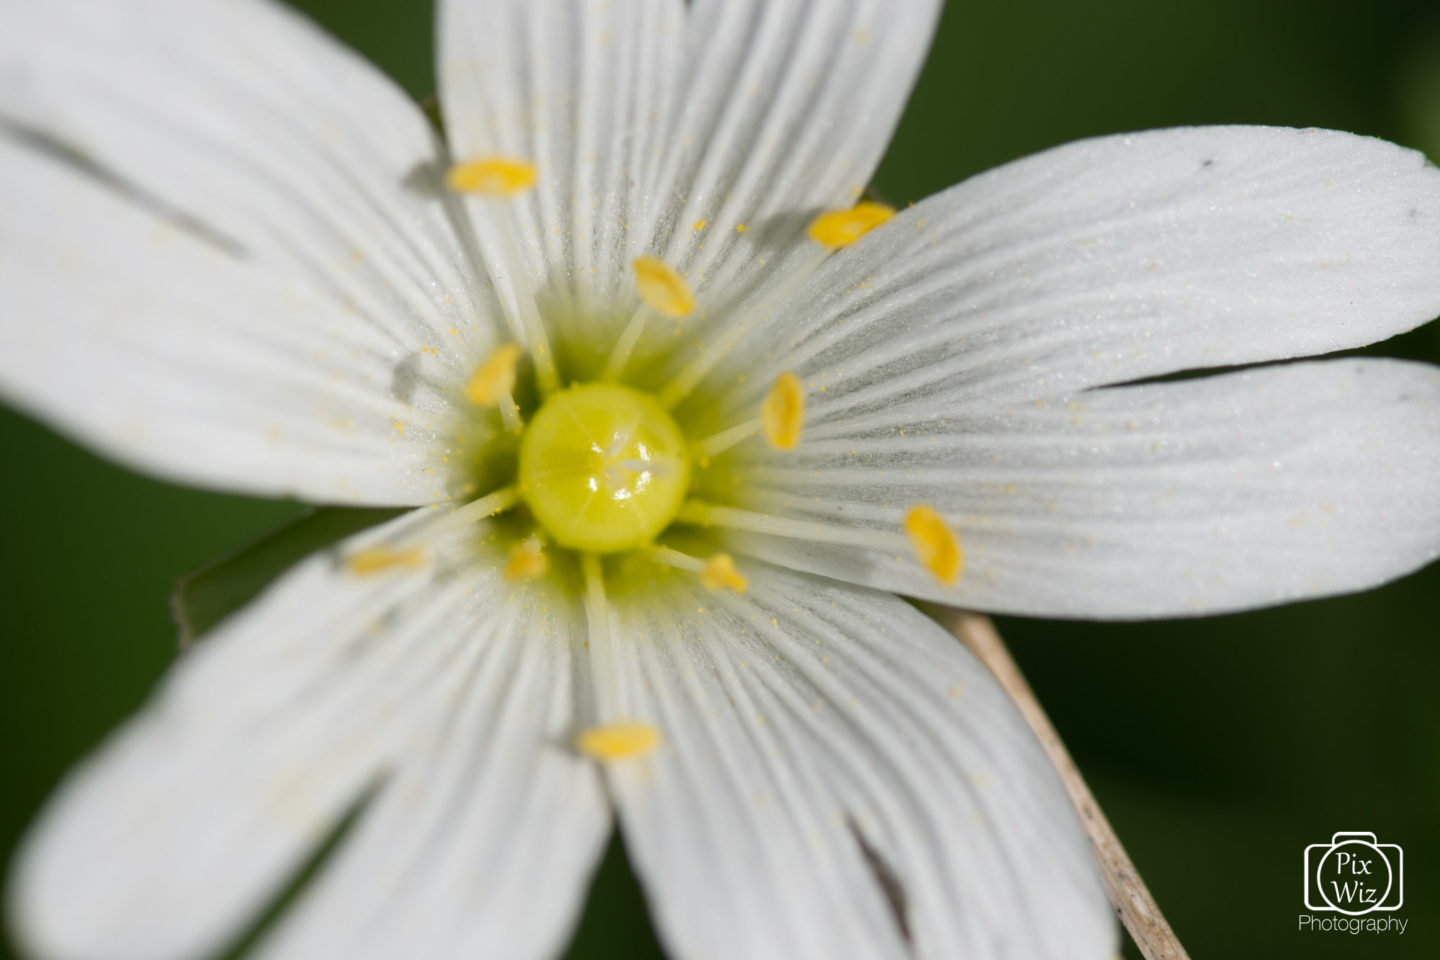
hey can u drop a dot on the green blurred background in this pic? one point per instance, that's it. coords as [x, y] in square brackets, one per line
[1220, 748]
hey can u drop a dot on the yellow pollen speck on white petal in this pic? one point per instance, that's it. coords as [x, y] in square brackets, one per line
[374, 560]
[527, 561]
[783, 413]
[493, 381]
[935, 544]
[493, 175]
[662, 289]
[617, 741]
[840, 228]
[719, 573]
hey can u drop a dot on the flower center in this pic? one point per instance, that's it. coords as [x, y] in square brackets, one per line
[603, 467]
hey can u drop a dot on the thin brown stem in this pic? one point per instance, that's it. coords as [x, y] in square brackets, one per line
[1132, 900]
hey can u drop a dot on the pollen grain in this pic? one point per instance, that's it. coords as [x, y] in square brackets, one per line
[719, 573]
[662, 289]
[496, 176]
[494, 380]
[935, 543]
[373, 560]
[783, 413]
[840, 228]
[617, 741]
[527, 561]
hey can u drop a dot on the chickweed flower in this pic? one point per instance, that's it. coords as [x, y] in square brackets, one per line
[681, 419]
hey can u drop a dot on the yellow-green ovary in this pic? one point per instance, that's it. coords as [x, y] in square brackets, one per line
[603, 468]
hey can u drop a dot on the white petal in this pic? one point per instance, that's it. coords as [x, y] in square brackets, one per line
[213, 213]
[806, 722]
[784, 111]
[1200, 496]
[645, 120]
[1115, 259]
[170, 839]
[482, 844]
[579, 90]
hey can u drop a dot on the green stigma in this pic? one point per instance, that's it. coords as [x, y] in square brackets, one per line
[603, 468]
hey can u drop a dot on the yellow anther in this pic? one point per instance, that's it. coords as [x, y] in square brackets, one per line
[617, 741]
[783, 413]
[373, 560]
[935, 544]
[494, 380]
[493, 175]
[719, 573]
[840, 228]
[662, 289]
[527, 561]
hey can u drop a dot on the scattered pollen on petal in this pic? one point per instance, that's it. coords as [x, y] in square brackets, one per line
[662, 289]
[527, 561]
[492, 175]
[783, 413]
[840, 228]
[374, 560]
[719, 573]
[493, 381]
[617, 741]
[935, 544]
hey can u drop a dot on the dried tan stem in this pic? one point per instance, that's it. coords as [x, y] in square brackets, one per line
[1132, 901]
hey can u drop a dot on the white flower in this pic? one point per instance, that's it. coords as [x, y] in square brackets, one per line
[227, 256]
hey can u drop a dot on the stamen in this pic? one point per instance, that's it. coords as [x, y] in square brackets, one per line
[719, 573]
[497, 176]
[617, 741]
[783, 412]
[487, 506]
[494, 379]
[662, 289]
[718, 443]
[777, 295]
[709, 515]
[840, 228]
[935, 544]
[373, 560]
[527, 561]
[493, 383]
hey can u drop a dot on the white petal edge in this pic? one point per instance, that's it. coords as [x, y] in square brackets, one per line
[171, 838]
[212, 157]
[1201, 496]
[143, 340]
[803, 716]
[1115, 259]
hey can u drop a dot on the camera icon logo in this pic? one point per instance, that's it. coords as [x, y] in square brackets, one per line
[1354, 875]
